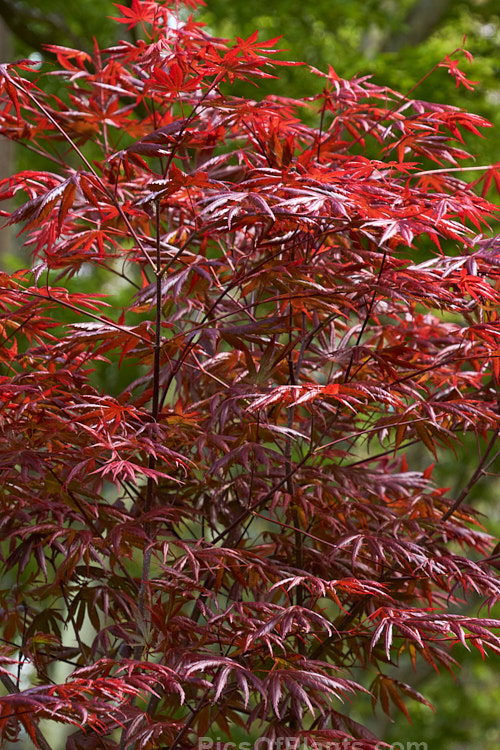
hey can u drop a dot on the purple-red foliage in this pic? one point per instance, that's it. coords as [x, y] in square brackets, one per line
[238, 536]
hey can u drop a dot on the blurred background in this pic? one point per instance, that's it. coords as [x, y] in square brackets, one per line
[397, 42]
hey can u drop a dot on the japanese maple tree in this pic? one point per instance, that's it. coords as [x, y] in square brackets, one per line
[236, 539]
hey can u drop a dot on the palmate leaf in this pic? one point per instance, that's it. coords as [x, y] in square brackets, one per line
[77, 703]
[388, 690]
[140, 12]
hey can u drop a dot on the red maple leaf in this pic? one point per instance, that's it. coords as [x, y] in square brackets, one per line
[458, 74]
[140, 12]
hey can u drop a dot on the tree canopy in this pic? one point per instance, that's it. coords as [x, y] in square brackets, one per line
[295, 294]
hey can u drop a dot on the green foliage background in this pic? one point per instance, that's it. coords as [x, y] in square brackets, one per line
[355, 37]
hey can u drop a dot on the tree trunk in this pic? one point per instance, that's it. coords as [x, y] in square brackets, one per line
[421, 20]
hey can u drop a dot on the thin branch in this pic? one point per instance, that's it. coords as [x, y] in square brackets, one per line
[476, 476]
[79, 311]
[148, 503]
